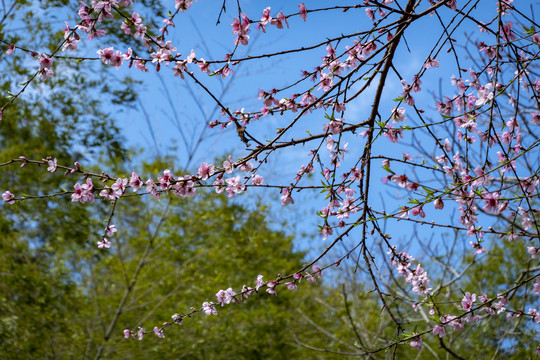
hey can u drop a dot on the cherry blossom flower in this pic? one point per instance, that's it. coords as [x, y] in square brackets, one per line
[485, 95]
[416, 342]
[271, 287]
[83, 193]
[234, 186]
[159, 332]
[467, 301]
[439, 330]
[110, 230]
[303, 11]
[259, 282]
[205, 171]
[135, 182]
[430, 62]
[209, 308]
[286, 197]
[10, 50]
[53, 165]
[183, 5]
[45, 64]
[8, 197]
[104, 244]
[535, 118]
[140, 333]
[398, 115]
[257, 180]
[278, 21]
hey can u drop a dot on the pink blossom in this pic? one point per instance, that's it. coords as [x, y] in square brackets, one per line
[271, 287]
[430, 62]
[110, 230]
[370, 14]
[303, 11]
[317, 271]
[53, 165]
[140, 333]
[334, 126]
[286, 197]
[135, 182]
[467, 301]
[278, 21]
[159, 332]
[83, 193]
[535, 118]
[241, 29]
[119, 187]
[234, 186]
[439, 204]
[485, 95]
[127, 333]
[265, 19]
[104, 244]
[228, 165]
[439, 330]
[45, 64]
[325, 231]
[10, 50]
[8, 197]
[259, 282]
[398, 114]
[225, 296]
[183, 5]
[291, 285]
[205, 171]
[491, 201]
[257, 180]
[417, 343]
[209, 308]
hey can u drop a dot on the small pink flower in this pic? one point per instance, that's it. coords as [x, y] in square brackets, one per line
[417, 343]
[259, 282]
[205, 171]
[8, 197]
[317, 271]
[398, 115]
[438, 330]
[430, 62]
[467, 301]
[257, 180]
[159, 332]
[303, 11]
[135, 182]
[110, 230]
[53, 165]
[10, 50]
[209, 308]
[278, 21]
[286, 197]
[271, 287]
[104, 244]
[291, 286]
